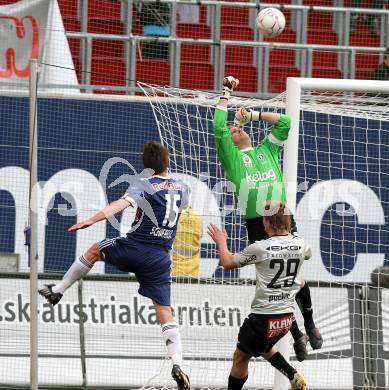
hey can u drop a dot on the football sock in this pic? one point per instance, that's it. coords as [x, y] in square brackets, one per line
[172, 339]
[279, 363]
[295, 331]
[236, 383]
[77, 270]
[303, 298]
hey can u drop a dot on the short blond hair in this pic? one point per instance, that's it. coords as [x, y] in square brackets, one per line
[278, 215]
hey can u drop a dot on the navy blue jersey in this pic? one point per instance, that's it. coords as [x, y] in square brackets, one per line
[159, 203]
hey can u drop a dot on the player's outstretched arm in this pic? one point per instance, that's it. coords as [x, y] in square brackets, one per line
[220, 239]
[225, 148]
[108, 211]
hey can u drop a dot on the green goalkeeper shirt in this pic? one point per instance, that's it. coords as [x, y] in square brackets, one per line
[255, 172]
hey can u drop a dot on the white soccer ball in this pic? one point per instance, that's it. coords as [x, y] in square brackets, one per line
[271, 22]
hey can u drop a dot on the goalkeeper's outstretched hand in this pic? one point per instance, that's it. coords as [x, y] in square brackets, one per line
[229, 84]
[242, 116]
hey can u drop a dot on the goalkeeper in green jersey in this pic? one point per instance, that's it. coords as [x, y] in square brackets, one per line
[256, 175]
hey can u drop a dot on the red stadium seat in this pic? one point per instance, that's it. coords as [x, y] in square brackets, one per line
[364, 40]
[282, 56]
[153, 71]
[71, 24]
[325, 59]
[236, 16]
[74, 45]
[325, 3]
[277, 2]
[202, 53]
[77, 67]
[108, 72]
[203, 13]
[322, 37]
[239, 55]
[326, 73]
[288, 36]
[68, 8]
[278, 76]
[196, 76]
[105, 26]
[136, 28]
[246, 74]
[104, 9]
[366, 61]
[234, 32]
[320, 19]
[107, 48]
[363, 74]
[190, 30]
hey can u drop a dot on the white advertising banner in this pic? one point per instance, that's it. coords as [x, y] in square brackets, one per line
[123, 343]
[34, 30]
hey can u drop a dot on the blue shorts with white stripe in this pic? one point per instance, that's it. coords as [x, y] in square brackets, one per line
[151, 265]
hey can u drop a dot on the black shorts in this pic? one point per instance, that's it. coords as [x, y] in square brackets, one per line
[260, 332]
[256, 230]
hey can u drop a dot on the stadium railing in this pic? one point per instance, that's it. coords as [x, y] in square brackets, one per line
[345, 52]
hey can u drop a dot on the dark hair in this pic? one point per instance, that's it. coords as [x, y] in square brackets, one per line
[278, 215]
[155, 156]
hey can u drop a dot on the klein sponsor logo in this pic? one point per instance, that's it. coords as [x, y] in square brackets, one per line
[261, 176]
[277, 326]
[10, 56]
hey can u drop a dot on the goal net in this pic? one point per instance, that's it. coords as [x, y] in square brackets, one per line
[340, 185]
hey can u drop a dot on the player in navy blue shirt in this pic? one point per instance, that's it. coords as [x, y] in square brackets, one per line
[145, 249]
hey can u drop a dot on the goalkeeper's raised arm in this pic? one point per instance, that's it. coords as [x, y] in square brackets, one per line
[255, 171]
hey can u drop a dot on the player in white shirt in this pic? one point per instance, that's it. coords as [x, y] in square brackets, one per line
[277, 261]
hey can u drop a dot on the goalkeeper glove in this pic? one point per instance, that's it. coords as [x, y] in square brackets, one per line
[243, 116]
[229, 84]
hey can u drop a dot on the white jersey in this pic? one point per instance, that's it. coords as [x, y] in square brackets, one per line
[278, 262]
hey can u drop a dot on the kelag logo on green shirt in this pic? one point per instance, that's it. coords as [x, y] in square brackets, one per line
[261, 176]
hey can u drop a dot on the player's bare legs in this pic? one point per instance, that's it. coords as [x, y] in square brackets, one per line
[79, 268]
[172, 339]
[240, 364]
[239, 370]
